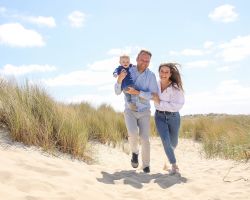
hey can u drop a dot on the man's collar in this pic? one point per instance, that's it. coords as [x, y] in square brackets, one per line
[141, 72]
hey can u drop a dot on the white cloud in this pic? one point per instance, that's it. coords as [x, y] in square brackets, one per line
[41, 20]
[106, 87]
[229, 97]
[15, 35]
[192, 52]
[82, 78]
[174, 53]
[98, 73]
[199, 64]
[223, 69]
[104, 65]
[127, 50]
[188, 52]
[208, 44]
[77, 19]
[25, 69]
[224, 13]
[235, 50]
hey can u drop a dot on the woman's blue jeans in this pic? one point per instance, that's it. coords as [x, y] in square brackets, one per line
[168, 125]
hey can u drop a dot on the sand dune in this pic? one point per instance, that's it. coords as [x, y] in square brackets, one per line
[27, 173]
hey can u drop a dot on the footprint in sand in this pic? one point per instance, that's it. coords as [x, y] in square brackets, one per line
[5, 177]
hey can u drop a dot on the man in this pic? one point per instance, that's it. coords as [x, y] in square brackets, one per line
[137, 112]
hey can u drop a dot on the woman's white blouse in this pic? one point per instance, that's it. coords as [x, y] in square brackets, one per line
[171, 99]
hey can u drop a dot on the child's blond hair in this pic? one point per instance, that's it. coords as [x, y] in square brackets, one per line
[124, 56]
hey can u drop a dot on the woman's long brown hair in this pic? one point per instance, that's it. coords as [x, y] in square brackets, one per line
[175, 74]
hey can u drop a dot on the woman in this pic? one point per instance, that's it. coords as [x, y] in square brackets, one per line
[168, 102]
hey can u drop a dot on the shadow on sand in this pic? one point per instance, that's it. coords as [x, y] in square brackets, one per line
[131, 177]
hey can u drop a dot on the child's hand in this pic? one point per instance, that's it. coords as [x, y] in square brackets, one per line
[121, 76]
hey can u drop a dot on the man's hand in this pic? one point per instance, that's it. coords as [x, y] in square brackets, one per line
[132, 91]
[156, 98]
[121, 76]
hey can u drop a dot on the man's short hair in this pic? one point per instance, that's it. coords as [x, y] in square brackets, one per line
[145, 51]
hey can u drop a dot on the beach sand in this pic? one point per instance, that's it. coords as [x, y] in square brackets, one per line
[27, 173]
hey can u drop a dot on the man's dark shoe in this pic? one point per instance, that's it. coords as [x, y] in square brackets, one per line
[146, 170]
[134, 160]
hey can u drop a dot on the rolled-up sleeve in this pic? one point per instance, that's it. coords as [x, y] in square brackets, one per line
[118, 89]
[153, 88]
[145, 95]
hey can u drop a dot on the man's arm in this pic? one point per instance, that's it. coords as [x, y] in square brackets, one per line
[153, 88]
[132, 91]
[118, 84]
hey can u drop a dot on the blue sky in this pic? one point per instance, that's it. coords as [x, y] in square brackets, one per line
[72, 47]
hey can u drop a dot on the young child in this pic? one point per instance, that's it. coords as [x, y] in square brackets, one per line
[127, 81]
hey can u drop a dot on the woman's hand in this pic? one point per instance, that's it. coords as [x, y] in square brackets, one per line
[156, 98]
[132, 91]
[121, 76]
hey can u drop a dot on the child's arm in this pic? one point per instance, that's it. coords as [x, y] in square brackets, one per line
[117, 71]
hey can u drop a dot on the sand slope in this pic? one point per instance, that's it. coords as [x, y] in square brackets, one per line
[30, 174]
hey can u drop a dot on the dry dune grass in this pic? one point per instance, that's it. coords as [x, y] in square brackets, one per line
[35, 118]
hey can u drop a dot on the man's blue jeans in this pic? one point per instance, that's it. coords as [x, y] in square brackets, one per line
[168, 125]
